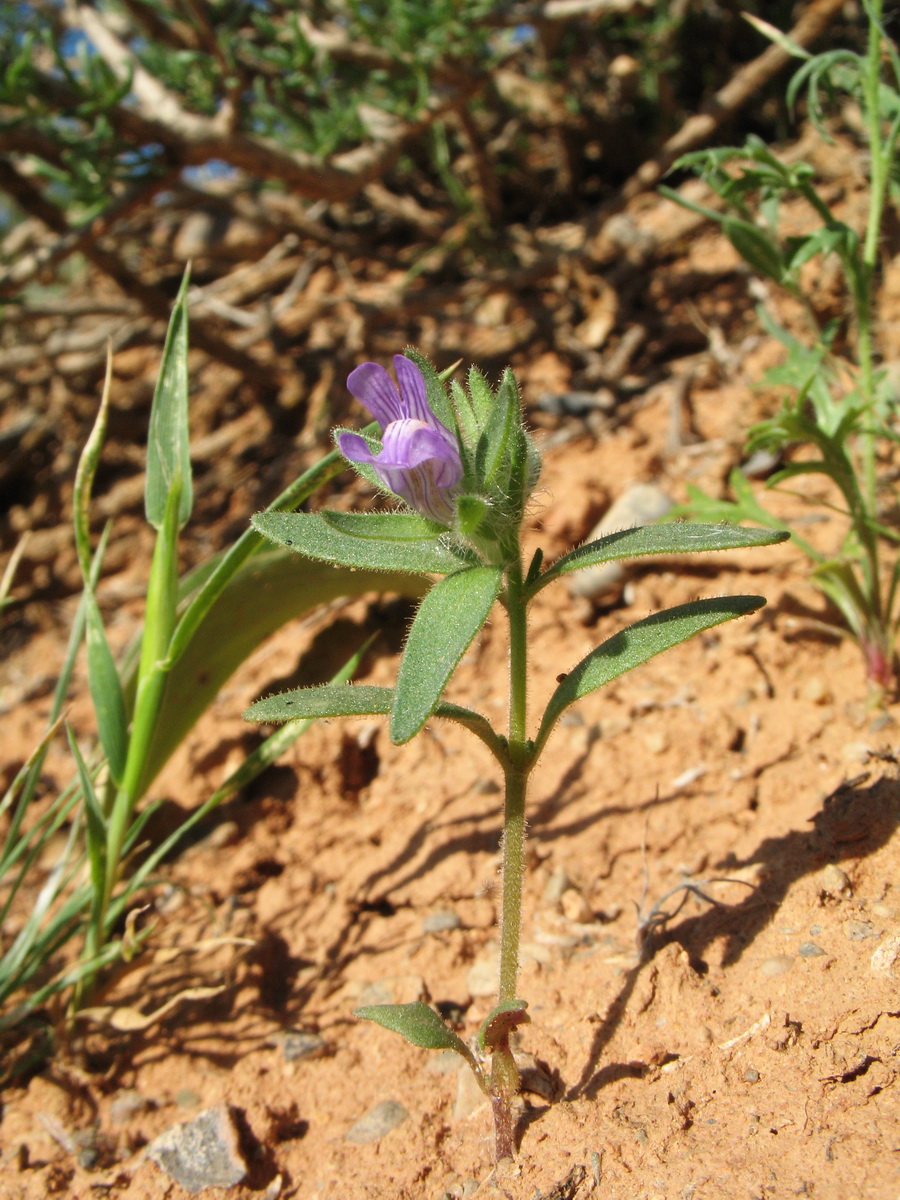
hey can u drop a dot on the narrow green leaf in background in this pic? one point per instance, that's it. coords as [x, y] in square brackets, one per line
[168, 449]
[448, 619]
[106, 691]
[268, 590]
[84, 476]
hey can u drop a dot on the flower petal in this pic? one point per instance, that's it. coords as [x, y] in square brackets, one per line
[410, 443]
[376, 391]
[355, 448]
[412, 391]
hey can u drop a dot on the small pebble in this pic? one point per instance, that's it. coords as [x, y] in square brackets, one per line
[441, 921]
[656, 741]
[444, 1062]
[833, 881]
[202, 1153]
[640, 505]
[186, 1098]
[575, 907]
[482, 976]
[855, 753]
[751, 1075]
[886, 958]
[777, 965]
[296, 1044]
[816, 691]
[127, 1104]
[810, 950]
[558, 883]
[469, 1096]
[377, 1122]
[375, 993]
[858, 931]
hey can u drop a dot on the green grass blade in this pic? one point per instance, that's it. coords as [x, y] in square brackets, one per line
[168, 448]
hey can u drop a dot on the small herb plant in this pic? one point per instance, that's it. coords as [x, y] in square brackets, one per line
[464, 468]
[838, 403]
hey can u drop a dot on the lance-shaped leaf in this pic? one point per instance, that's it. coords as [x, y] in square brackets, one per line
[168, 450]
[362, 700]
[377, 541]
[638, 643]
[329, 700]
[679, 538]
[448, 619]
[420, 1025]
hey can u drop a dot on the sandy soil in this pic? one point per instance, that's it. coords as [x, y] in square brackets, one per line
[734, 799]
[748, 1051]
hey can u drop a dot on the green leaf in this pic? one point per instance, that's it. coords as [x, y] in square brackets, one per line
[272, 588]
[448, 619]
[95, 825]
[420, 1025]
[168, 450]
[756, 247]
[106, 691]
[500, 1022]
[678, 538]
[777, 37]
[329, 700]
[84, 476]
[325, 536]
[638, 643]
[358, 700]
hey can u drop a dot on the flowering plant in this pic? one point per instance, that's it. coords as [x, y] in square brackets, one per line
[464, 466]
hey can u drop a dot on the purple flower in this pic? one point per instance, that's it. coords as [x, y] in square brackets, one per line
[419, 458]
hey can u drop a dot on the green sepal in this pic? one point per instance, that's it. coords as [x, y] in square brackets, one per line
[493, 445]
[635, 645]
[677, 538]
[500, 1022]
[471, 512]
[168, 448]
[482, 397]
[466, 420]
[449, 617]
[421, 1026]
[359, 540]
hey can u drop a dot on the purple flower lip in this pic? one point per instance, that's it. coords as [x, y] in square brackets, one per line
[419, 457]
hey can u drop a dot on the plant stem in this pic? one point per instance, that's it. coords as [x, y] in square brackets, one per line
[504, 1072]
[879, 172]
